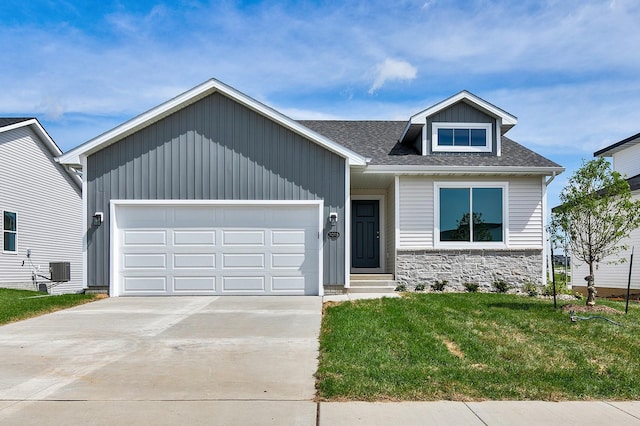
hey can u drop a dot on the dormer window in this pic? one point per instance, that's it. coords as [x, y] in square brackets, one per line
[461, 137]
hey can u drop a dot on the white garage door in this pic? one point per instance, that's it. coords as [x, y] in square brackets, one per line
[216, 249]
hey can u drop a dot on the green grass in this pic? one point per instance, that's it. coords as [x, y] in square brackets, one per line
[16, 305]
[475, 346]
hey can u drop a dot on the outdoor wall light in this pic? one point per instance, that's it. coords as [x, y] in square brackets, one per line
[97, 219]
[333, 218]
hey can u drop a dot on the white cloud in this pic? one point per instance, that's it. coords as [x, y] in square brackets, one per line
[392, 70]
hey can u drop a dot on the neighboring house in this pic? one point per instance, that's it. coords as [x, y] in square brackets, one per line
[41, 208]
[213, 192]
[612, 279]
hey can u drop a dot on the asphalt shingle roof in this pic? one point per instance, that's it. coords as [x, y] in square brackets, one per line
[8, 121]
[378, 140]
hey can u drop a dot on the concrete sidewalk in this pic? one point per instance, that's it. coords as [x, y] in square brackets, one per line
[491, 413]
[265, 412]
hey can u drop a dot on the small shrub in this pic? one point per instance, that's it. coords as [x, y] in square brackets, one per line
[439, 285]
[401, 287]
[578, 295]
[501, 286]
[561, 288]
[420, 287]
[530, 288]
[471, 287]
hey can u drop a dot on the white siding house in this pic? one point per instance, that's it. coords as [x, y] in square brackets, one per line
[613, 278]
[40, 206]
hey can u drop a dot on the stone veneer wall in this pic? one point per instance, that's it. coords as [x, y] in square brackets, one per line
[461, 266]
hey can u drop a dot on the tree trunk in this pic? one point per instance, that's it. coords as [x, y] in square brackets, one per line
[591, 287]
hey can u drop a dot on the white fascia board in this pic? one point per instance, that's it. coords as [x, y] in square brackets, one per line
[462, 170]
[507, 119]
[51, 145]
[205, 89]
[39, 130]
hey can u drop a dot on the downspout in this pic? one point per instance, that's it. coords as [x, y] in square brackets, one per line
[546, 240]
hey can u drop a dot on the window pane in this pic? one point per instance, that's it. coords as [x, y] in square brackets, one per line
[9, 221]
[478, 137]
[487, 214]
[461, 137]
[454, 214]
[445, 137]
[9, 241]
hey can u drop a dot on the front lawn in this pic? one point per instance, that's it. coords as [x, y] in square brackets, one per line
[475, 346]
[16, 305]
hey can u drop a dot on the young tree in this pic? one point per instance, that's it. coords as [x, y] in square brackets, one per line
[596, 213]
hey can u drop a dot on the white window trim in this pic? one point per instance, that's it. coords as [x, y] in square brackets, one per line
[3, 231]
[504, 244]
[435, 147]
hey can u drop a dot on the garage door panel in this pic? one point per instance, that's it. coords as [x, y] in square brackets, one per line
[200, 261]
[243, 238]
[242, 217]
[145, 284]
[288, 238]
[288, 284]
[194, 284]
[287, 260]
[243, 284]
[243, 261]
[186, 217]
[218, 249]
[142, 217]
[146, 261]
[146, 238]
[194, 238]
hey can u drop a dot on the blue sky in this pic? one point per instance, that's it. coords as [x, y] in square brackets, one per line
[568, 69]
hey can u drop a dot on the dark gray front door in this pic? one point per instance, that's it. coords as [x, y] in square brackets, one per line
[365, 231]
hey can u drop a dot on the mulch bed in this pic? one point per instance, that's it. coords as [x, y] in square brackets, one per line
[596, 308]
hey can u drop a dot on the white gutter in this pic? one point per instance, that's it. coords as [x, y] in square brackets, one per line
[461, 170]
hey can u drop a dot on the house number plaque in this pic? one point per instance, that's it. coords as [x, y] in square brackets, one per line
[333, 235]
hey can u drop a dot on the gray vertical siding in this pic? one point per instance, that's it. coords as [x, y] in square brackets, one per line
[214, 149]
[463, 113]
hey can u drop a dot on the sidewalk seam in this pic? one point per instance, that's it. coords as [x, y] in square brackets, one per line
[620, 409]
[475, 414]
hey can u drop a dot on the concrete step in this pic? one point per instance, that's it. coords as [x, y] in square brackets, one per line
[98, 289]
[371, 277]
[372, 283]
[371, 289]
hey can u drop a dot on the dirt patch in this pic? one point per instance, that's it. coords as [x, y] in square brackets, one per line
[327, 305]
[452, 347]
[593, 309]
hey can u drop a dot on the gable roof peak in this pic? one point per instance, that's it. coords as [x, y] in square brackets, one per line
[507, 120]
[189, 97]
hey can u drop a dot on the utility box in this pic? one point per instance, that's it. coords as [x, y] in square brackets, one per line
[60, 271]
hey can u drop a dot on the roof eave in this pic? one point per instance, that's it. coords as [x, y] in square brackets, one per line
[618, 146]
[463, 170]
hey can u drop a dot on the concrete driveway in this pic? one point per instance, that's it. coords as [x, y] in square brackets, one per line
[164, 360]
